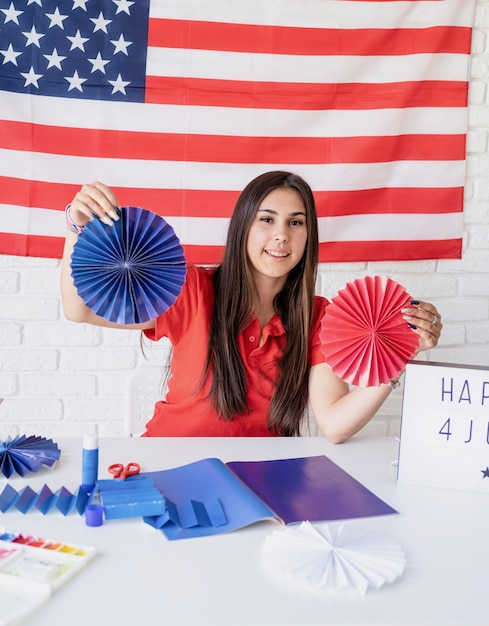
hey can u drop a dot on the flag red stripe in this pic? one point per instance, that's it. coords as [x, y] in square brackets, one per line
[189, 202]
[201, 35]
[304, 96]
[52, 247]
[225, 149]
[204, 203]
[31, 245]
[358, 251]
[34, 193]
[390, 201]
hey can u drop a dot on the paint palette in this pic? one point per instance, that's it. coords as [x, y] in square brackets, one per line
[31, 569]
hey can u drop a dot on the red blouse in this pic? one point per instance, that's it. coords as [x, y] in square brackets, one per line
[186, 410]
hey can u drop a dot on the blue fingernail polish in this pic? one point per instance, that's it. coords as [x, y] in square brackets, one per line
[412, 326]
[414, 302]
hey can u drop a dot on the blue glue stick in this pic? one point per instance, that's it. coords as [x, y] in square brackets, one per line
[89, 462]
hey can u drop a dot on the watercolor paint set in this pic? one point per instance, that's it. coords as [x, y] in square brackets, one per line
[31, 569]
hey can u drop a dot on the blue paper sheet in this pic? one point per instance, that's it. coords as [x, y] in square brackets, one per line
[209, 497]
[206, 485]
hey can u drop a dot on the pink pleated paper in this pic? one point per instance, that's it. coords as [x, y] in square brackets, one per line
[364, 337]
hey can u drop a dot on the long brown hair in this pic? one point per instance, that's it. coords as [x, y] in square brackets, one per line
[234, 297]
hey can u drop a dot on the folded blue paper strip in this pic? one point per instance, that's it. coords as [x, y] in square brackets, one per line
[44, 501]
[134, 497]
[190, 514]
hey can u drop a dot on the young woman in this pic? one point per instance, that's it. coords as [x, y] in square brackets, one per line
[246, 354]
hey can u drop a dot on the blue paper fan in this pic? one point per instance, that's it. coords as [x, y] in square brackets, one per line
[130, 272]
[22, 454]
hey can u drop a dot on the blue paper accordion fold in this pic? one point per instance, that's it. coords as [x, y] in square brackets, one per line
[134, 497]
[24, 454]
[130, 272]
[44, 501]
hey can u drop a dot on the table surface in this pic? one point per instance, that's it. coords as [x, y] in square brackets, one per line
[138, 576]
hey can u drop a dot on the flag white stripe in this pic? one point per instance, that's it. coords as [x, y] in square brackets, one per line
[278, 68]
[192, 175]
[22, 220]
[320, 13]
[397, 227]
[126, 116]
[212, 231]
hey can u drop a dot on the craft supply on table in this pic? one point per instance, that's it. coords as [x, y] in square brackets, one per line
[136, 496]
[94, 515]
[332, 557]
[44, 500]
[90, 462]
[27, 453]
[32, 568]
[119, 470]
[209, 497]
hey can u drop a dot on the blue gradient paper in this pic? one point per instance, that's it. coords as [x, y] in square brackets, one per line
[209, 497]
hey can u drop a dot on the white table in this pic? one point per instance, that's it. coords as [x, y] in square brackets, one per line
[139, 577]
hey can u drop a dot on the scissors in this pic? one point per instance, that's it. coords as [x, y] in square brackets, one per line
[118, 470]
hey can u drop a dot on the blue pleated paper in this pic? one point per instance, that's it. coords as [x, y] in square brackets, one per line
[23, 454]
[131, 272]
[135, 497]
[45, 500]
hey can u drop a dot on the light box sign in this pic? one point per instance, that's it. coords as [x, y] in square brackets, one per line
[445, 426]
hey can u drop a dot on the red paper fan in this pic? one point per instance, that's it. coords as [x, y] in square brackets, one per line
[364, 337]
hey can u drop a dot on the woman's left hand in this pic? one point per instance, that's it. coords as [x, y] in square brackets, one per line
[426, 322]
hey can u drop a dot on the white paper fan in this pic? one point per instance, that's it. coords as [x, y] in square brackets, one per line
[332, 557]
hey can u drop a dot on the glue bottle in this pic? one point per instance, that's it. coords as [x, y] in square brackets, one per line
[90, 462]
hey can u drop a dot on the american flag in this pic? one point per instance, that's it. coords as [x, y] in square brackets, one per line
[177, 104]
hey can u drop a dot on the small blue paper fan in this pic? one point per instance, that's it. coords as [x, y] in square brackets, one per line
[131, 272]
[22, 454]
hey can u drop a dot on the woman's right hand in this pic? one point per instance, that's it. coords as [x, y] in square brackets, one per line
[94, 200]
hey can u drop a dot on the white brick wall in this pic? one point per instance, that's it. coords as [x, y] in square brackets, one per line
[56, 378]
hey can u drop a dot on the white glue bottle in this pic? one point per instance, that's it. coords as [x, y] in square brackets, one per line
[90, 462]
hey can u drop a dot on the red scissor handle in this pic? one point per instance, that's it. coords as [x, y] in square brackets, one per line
[118, 470]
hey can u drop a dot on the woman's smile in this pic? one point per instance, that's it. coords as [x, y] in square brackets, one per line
[277, 254]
